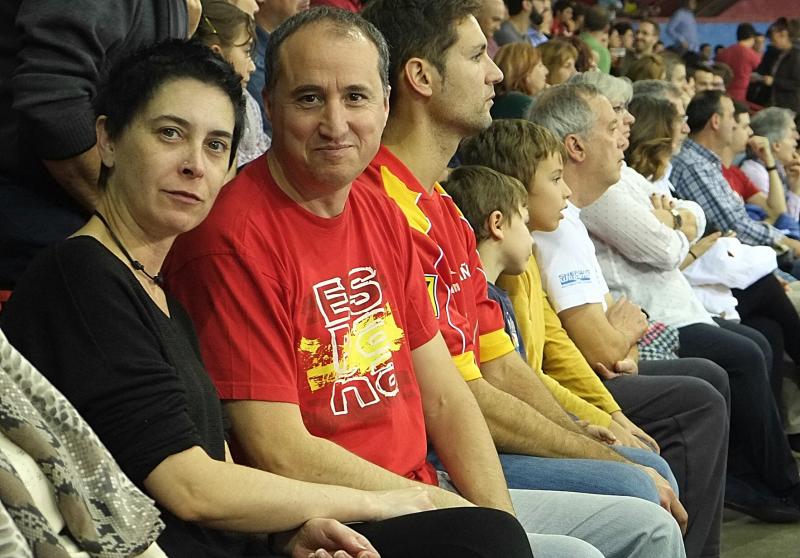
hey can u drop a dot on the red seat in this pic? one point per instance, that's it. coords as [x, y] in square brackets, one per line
[4, 296]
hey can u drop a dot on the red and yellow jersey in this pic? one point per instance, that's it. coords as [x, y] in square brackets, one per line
[471, 323]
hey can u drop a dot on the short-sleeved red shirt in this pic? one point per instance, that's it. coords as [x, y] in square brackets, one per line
[742, 61]
[322, 313]
[740, 183]
[471, 323]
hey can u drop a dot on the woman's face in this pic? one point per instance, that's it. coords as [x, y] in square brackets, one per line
[785, 148]
[240, 55]
[626, 120]
[536, 80]
[169, 163]
[628, 39]
[614, 40]
[563, 72]
[679, 76]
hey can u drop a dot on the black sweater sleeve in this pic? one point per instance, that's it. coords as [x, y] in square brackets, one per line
[80, 317]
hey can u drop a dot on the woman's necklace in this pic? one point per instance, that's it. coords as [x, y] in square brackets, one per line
[135, 264]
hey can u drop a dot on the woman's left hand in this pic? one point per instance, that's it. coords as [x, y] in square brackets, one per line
[327, 538]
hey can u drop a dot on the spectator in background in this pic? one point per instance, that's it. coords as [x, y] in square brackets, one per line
[563, 23]
[490, 17]
[676, 75]
[559, 57]
[706, 54]
[723, 75]
[760, 93]
[579, 10]
[270, 14]
[649, 66]
[759, 43]
[703, 78]
[742, 59]
[515, 28]
[786, 84]
[626, 34]
[587, 58]
[778, 127]
[646, 39]
[697, 173]
[51, 59]
[595, 35]
[619, 51]
[541, 21]
[770, 197]
[524, 75]
[682, 28]
[230, 32]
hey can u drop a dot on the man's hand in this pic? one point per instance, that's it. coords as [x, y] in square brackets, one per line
[625, 438]
[392, 503]
[621, 367]
[599, 433]
[669, 501]
[759, 145]
[326, 538]
[624, 422]
[792, 244]
[442, 498]
[792, 169]
[627, 318]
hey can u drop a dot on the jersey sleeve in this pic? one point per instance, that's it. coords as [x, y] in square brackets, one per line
[244, 326]
[421, 323]
[453, 325]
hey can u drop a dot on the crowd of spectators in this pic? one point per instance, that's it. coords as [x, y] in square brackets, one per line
[394, 278]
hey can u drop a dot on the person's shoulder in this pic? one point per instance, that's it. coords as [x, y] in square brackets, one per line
[244, 203]
[79, 267]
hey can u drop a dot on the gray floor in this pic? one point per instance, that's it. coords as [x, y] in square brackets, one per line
[743, 537]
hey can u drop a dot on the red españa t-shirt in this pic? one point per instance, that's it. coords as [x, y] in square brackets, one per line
[471, 323]
[323, 313]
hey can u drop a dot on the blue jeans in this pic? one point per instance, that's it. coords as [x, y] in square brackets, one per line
[589, 476]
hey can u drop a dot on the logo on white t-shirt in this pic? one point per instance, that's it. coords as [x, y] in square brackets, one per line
[576, 277]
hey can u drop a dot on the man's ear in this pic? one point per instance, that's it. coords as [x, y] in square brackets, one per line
[419, 75]
[714, 121]
[386, 104]
[575, 147]
[494, 225]
[105, 145]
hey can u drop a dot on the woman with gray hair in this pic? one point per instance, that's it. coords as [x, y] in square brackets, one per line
[778, 126]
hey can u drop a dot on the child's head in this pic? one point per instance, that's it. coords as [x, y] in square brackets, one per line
[533, 155]
[495, 205]
[230, 32]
